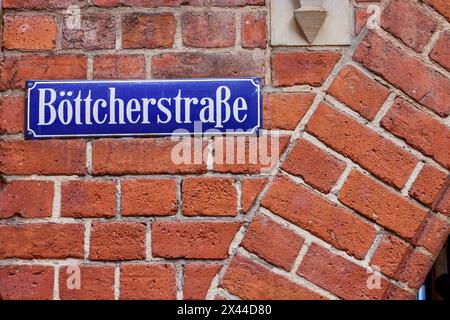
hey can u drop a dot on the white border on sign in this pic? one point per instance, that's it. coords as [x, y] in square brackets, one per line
[253, 131]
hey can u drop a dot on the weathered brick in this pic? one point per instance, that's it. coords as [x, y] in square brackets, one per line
[419, 130]
[146, 281]
[42, 4]
[14, 70]
[97, 31]
[285, 110]
[253, 30]
[317, 215]
[42, 241]
[28, 199]
[208, 29]
[26, 282]
[204, 65]
[390, 254]
[197, 279]
[248, 155]
[251, 281]
[382, 205]
[371, 151]
[359, 92]
[21, 32]
[237, 3]
[119, 67]
[12, 114]
[192, 240]
[272, 242]
[139, 156]
[434, 235]
[88, 198]
[96, 283]
[443, 204]
[43, 157]
[148, 197]
[149, 3]
[428, 185]
[251, 188]
[408, 22]
[143, 30]
[339, 276]
[296, 68]
[117, 241]
[441, 6]
[441, 51]
[399, 261]
[209, 197]
[361, 16]
[431, 89]
[314, 165]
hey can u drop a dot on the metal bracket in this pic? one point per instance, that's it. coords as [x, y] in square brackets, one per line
[310, 22]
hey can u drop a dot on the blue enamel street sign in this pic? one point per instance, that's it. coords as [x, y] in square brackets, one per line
[140, 108]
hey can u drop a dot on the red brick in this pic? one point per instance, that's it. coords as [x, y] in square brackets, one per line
[251, 189]
[441, 6]
[43, 157]
[97, 31]
[42, 241]
[361, 16]
[12, 114]
[237, 3]
[315, 166]
[382, 205]
[320, 217]
[371, 151]
[419, 130]
[149, 197]
[117, 241]
[398, 68]
[139, 156]
[251, 281]
[119, 67]
[29, 32]
[143, 30]
[272, 242]
[285, 110]
[248, 155]
[209, 197]
[208, 29]
[197, 279]
[192, 240]
[339, 276]
[397, 260]
[441, 51]
[428, 185]
[88, 199]
[397, 293]
[443, 204]
[149, 3]
[26, 282]
[409, 23]
[359, 92]
[434, 235]
[42, 4]
[253, 30]
[204, 65]
[390, 255]
[14, 70]
[297, 68]
[147, 282]
[96, 283]
[29, 199]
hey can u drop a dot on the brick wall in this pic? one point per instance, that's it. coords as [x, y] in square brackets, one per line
[361, 188]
